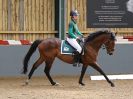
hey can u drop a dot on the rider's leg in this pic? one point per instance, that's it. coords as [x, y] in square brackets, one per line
[77, 55]
[76, 58]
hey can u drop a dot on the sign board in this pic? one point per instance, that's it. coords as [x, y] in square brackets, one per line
[110, 13]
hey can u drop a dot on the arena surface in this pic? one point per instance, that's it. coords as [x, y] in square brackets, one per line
[40, 88]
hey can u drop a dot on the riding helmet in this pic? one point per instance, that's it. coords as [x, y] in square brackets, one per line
[74, 13]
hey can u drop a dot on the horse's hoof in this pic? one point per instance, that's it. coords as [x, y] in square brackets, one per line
[26, 82]
[55, 84]
[112, 85]
[82, 84]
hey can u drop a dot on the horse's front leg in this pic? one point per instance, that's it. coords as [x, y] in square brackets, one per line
[82, 75]
[97, 67]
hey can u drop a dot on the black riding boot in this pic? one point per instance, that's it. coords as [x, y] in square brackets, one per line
[76, 58]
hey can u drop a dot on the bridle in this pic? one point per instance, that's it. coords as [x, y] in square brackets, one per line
[106, 44]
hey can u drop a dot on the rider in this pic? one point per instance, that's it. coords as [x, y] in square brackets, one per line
[73, 36]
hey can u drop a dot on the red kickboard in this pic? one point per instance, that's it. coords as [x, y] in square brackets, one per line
[25, 42]
[131, 39]
[2, 42]
[127, 37]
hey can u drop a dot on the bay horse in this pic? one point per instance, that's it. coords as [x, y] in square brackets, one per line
[49, 49]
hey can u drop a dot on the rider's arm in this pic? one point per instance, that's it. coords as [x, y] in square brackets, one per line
[78, 32]
[70, 31]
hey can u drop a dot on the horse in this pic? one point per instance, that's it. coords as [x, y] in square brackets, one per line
[49, 49]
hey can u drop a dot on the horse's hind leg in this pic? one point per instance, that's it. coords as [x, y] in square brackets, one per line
[35, 66]
[47, 71]
[97, 67]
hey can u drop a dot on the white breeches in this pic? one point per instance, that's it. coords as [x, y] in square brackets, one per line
[75, 44]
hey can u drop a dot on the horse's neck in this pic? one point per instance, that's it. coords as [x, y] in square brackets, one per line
[98, 42]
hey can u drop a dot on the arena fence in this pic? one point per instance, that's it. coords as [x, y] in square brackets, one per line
[35, 19]
[27, 19]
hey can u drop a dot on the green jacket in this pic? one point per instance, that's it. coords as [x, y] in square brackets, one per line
[73, 30]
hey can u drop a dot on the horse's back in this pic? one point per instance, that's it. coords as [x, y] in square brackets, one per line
[50, 44]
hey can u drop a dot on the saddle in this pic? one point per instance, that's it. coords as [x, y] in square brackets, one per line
[66, 48]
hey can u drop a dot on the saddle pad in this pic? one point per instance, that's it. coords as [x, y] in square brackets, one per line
[66, 48]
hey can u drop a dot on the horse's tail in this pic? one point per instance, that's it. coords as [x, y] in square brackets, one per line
[29, 54]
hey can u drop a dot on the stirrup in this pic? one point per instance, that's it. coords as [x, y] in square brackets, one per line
[75, 64]
[79, 64]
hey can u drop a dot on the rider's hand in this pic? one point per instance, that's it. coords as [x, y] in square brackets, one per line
[82, 36]
[77, 38]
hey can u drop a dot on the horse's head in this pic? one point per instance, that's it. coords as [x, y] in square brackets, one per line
[110, 43]
[102, 37]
